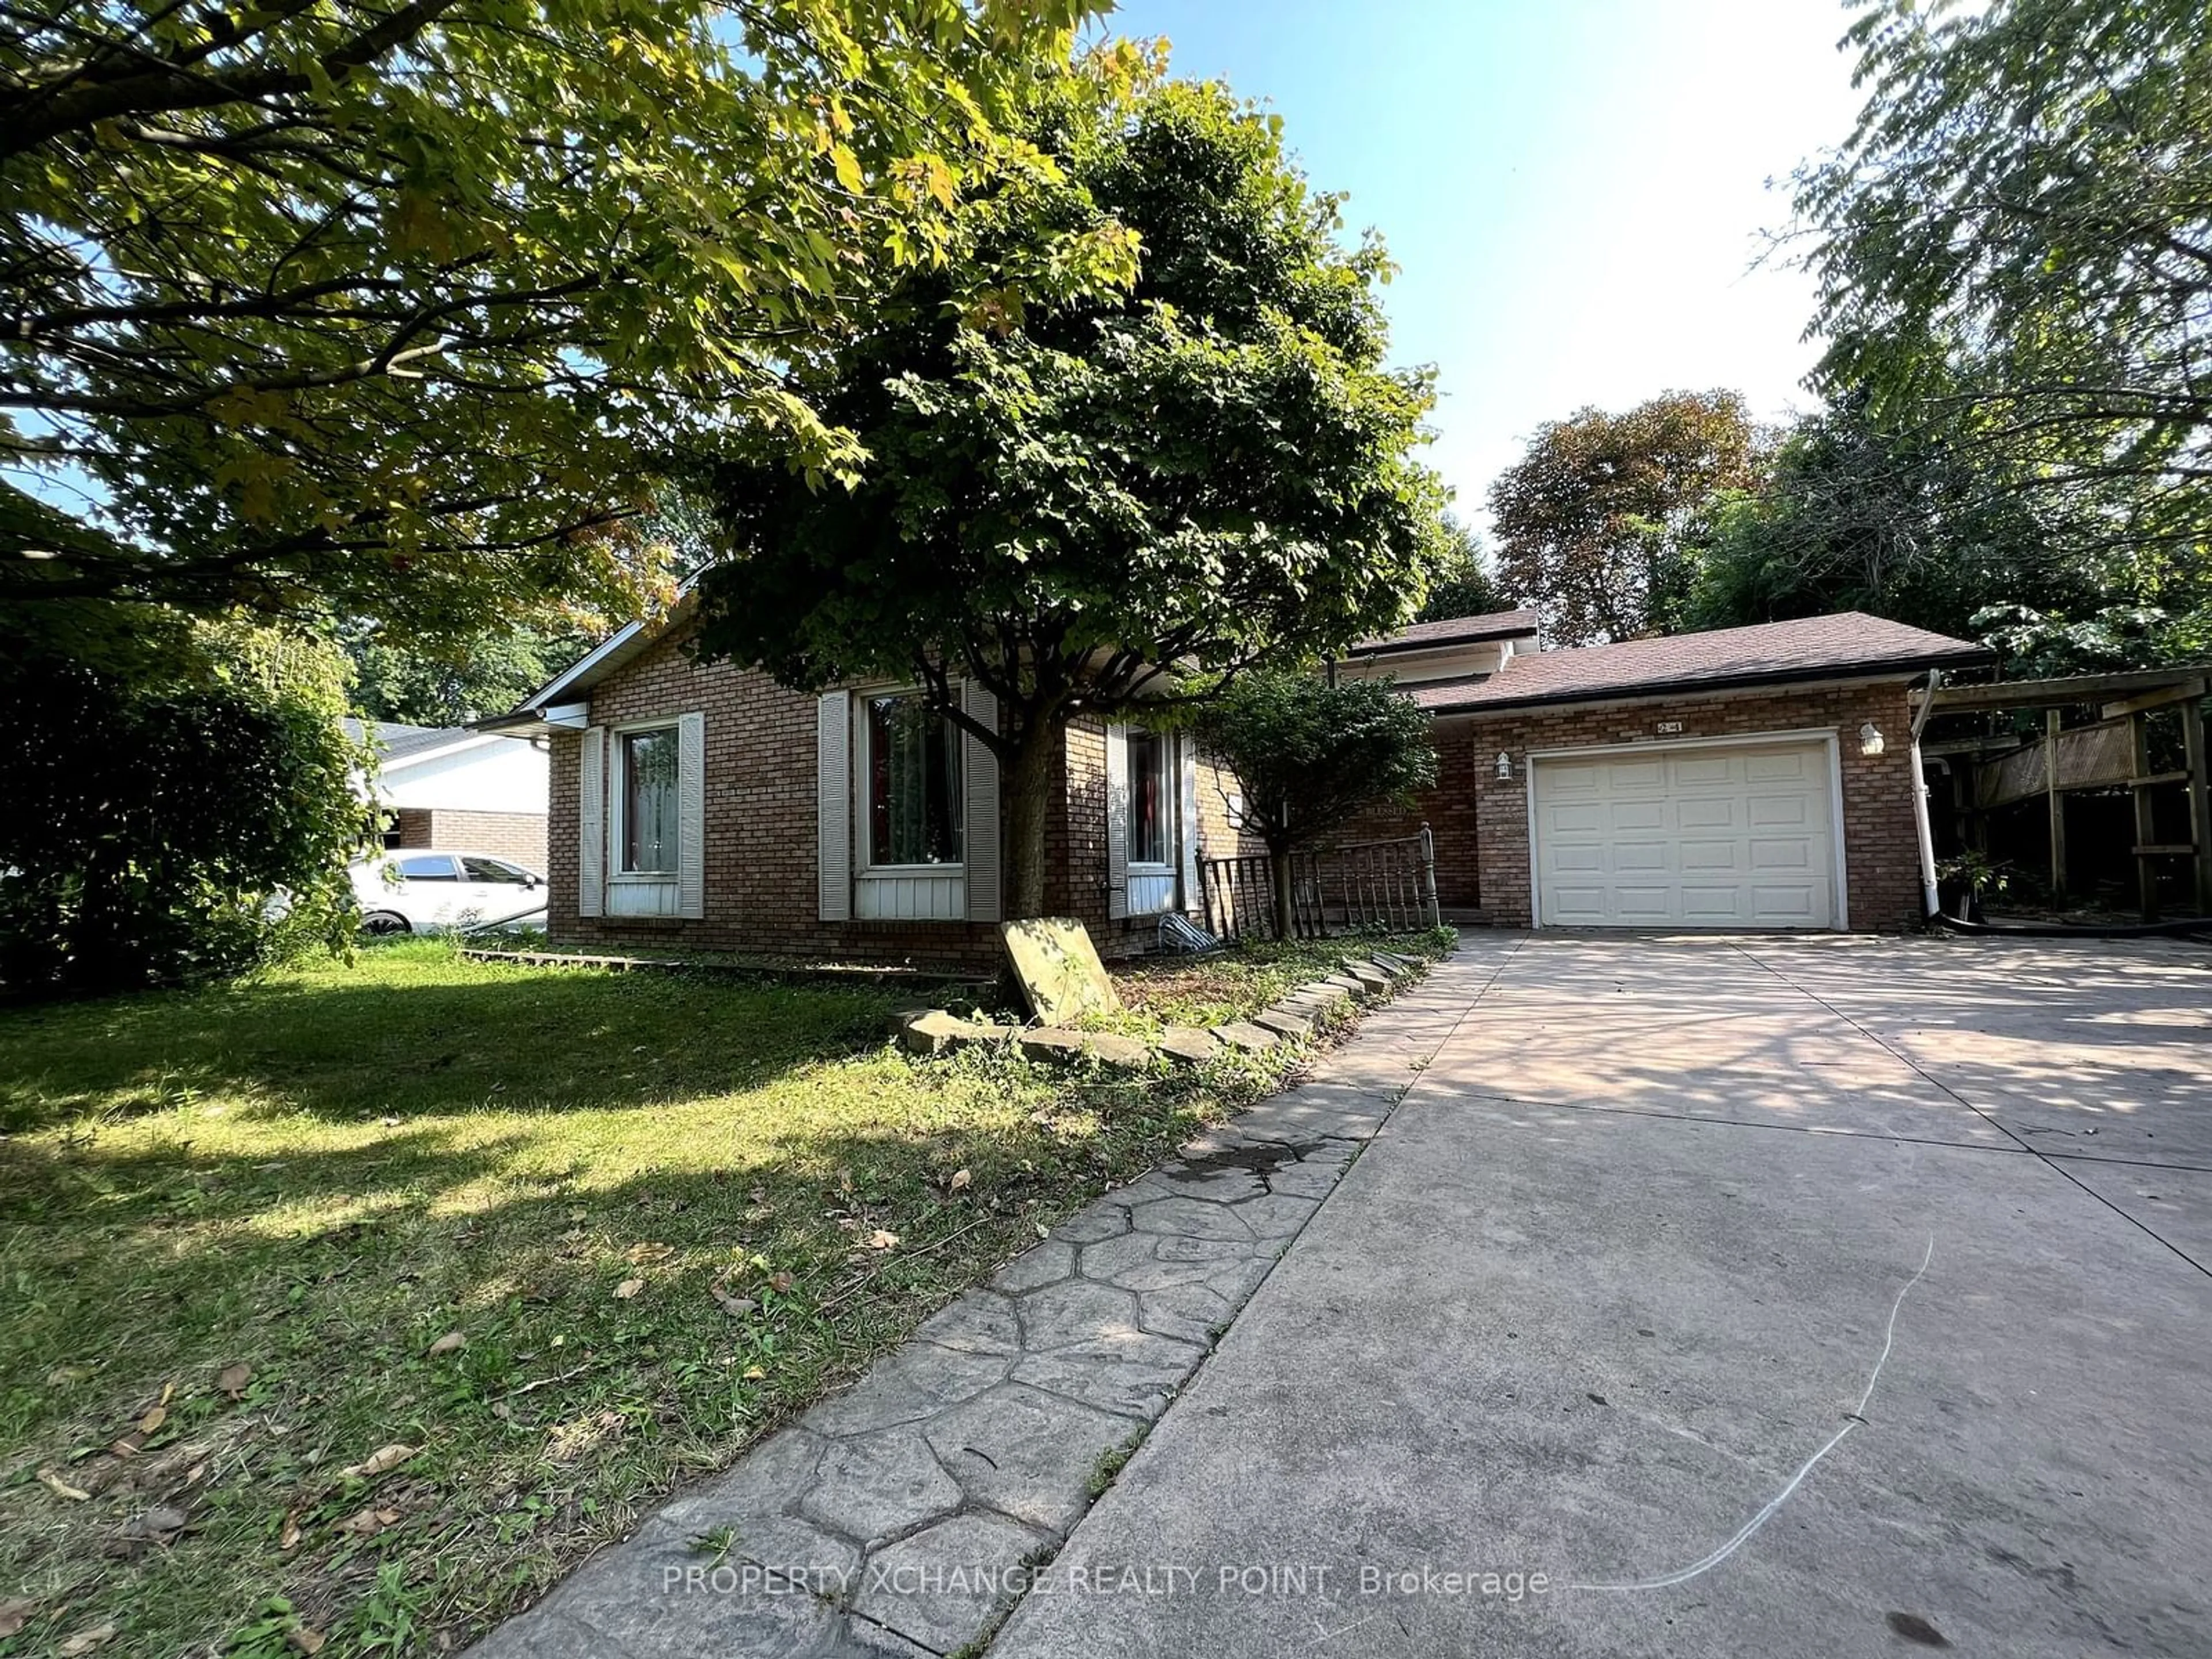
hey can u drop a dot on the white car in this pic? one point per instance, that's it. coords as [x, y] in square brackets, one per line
[406, 891]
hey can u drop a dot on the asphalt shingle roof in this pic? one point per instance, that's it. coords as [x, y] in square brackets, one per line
[1814, 648]
[1453, 630]
[396, 742]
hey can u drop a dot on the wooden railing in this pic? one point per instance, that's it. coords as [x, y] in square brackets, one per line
[1365, 884]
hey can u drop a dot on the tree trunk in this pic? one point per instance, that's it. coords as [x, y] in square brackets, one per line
[1279, 871]
[1025, 800]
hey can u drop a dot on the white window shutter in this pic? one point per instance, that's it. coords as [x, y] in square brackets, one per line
[1117, 822]
[691, 816]
[1187, 792]
[979, 787]
[591, 824]
[833, 807]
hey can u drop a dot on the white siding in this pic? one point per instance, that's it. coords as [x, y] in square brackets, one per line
[493, 775]
[1187, 798]
[936, 895]
[591, 824]
[691, 816]
[643, 898]
[1117, 821]
[833, 807]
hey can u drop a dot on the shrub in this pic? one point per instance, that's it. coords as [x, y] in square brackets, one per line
[182, 816]
[1311, 757]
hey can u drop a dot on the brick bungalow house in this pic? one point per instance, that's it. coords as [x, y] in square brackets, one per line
[1750, 777]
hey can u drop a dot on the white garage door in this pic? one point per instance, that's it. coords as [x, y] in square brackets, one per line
[1722, 836]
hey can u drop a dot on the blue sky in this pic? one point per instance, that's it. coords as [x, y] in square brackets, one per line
[1575, 188]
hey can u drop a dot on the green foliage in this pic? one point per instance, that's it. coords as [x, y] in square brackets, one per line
[1852, 517]
[2014, 252]
[449, 682]
[1595, 524]
[385, 312]
[1072, 501]
[2037, 644]
[1463, 585]
[187, 820]
[1311, 757]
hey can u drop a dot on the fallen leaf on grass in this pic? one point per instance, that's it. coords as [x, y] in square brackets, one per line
[369, 1522]
[86, 1640]
[449, 1343]
[61, 1488]
[383, 1459]
[960, 1179]
[754, 1374]
[288, 1537]
[781, 1283]
[882, 1239]
[639, 1254]
[306, 1638]
[62, 1376]
[158, 1521]
[736, 1306]
[14, 1613]
[233, 1379]
[629, 1288]
[154, 1418]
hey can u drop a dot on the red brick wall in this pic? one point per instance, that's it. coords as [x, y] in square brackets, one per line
[760, 831]
[517, 835]
[1881, 848]
[1448, 810]
[761, 827]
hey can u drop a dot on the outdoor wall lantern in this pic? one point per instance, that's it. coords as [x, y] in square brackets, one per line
[1870, 738]
[1505, 765]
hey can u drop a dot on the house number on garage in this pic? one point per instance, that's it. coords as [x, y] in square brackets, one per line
[1669, 728]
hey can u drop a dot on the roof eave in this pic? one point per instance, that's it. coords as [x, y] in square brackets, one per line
[608, 654]
[1887, 668]
[1444, 642]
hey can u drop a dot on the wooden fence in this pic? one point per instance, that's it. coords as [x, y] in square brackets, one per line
[1365, 884]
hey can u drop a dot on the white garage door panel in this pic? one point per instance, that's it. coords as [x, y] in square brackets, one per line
[1721, 836]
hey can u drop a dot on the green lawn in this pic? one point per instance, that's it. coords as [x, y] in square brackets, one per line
[241, 1230]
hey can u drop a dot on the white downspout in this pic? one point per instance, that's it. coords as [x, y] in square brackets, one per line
[1930, 902]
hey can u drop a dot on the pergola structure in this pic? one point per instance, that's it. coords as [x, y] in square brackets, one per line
[2112, 750]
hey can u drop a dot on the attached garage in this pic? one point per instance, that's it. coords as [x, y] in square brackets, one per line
[1736, 833]
[1759, 777]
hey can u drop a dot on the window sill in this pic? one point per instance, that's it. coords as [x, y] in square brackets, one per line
[908, 871]
[644, 878]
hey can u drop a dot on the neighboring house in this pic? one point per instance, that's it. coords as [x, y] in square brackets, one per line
[1756, 777]
[457, 788]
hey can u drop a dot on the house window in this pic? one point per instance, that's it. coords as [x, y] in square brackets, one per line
[914, 785]
[648, 762]
[1151, 798]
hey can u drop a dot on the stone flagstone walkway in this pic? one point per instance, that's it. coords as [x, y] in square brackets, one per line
[904, 1515]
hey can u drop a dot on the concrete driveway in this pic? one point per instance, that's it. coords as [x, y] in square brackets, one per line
[1781, 1296]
